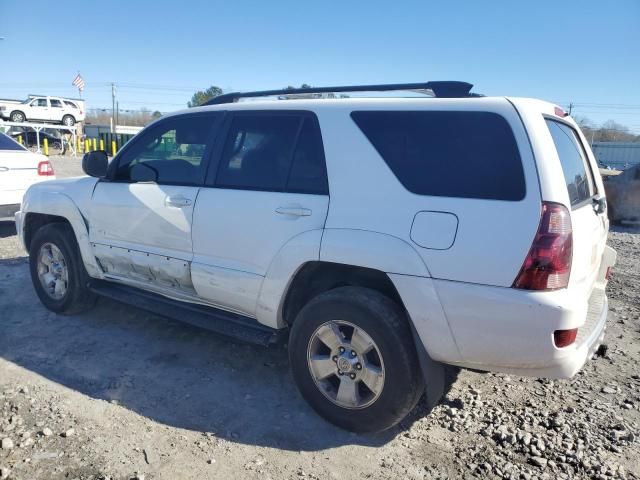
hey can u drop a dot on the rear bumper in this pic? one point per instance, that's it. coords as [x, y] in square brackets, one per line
[7, 212]
[511, 331]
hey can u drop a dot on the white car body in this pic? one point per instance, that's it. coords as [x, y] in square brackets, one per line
[44, 109]
[18, 171]
[453, 261]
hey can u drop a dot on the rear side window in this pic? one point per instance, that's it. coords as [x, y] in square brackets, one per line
[70, 104]
[448, 154]
[273, 152]
[577, 172]
[7, 143]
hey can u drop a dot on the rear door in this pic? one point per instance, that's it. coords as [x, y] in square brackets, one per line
[269, 186]
[56, 109]
[140, 219]
[18, 170]
[589, 226]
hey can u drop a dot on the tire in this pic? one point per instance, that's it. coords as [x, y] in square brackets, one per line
[76, 297]
[386, 325]
[68, 121]
[17, 117]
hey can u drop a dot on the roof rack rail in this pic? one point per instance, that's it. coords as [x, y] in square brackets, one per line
[441, 89]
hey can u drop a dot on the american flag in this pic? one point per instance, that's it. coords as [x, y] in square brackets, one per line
[78, 82]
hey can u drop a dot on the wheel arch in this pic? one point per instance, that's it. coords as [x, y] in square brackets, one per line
[50, 207]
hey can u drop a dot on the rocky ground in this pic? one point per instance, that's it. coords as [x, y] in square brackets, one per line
[117, 393]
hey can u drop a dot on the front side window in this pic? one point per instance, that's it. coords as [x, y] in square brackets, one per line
[172, 152]
[258, 150]
[56, 103]
[448, 153]
[577, 172]
[39, 102]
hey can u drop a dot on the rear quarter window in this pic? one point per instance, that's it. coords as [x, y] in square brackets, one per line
[448, 153]
[577, 172]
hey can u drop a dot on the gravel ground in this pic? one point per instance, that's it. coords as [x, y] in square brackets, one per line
[118, 393]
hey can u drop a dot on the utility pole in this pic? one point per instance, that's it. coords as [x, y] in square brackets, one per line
[113, 108]
[570, 108]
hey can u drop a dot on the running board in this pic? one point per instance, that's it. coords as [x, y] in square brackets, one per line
[219, 321]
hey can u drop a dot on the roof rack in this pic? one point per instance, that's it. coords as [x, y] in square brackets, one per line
[441, 89]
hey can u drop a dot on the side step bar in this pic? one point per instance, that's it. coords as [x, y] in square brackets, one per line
[219, 321]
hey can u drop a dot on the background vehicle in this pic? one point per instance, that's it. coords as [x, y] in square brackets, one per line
[623, 195]
[388, 236]
[43, 109]
[19, 169]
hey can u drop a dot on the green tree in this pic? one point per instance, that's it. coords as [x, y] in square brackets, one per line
[155, 115]
[201, 97]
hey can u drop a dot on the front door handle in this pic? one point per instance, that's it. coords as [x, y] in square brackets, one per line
[294, 211]
[177, 201]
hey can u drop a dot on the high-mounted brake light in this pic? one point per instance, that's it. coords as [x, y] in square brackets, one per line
[560, 112]
[548, 264]
[45, 169]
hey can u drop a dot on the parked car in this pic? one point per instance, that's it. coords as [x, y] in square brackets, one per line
[623, 195]
[19, 169]
[383, 238]
[30, 139]
[43, 109]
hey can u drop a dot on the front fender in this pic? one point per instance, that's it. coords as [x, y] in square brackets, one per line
[61, 205]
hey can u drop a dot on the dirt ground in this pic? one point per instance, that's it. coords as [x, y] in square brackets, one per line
[118, 393]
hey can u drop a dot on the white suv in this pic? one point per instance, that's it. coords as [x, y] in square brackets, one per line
[383, 237]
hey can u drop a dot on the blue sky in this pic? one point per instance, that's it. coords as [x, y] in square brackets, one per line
[159, 52]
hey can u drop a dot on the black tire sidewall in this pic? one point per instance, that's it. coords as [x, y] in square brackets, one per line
[386, 323]
[77, 295]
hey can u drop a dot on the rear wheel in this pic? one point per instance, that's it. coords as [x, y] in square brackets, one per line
[17, 117]
[353, 359]
[57, 272]
[68, 121]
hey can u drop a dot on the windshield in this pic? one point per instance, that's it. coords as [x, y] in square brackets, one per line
[7, 143]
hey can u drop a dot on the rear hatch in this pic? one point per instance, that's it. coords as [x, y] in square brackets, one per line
[586, 203]
[18, 170]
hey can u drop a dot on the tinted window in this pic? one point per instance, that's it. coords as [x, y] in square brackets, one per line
[39, 102]
[171, 152]
[308, 171]
[258, 150]
[448, 154]
[70, 104]
[8, 144]
[56, 103]
[577, 172]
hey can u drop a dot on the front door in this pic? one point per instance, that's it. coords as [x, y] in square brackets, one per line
[270, 185]
[140, 219]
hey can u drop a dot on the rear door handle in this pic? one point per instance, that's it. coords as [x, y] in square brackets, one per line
[294, 211]
[177, 201]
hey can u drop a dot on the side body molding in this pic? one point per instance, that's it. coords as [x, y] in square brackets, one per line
[59, 204]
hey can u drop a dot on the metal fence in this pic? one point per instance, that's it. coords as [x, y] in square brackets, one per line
[618, 155]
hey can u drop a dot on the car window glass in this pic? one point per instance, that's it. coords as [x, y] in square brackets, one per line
[171, 152]
[308, 171]
[577, 173]
[70, 104]
[56, 103]
[257, 152]
[448, 153]
[7, 143]
[39, 102]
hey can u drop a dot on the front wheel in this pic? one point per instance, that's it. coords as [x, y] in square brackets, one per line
[353, 359]
[57, 272]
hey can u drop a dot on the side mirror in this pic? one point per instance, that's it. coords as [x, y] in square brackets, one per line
[95, 163]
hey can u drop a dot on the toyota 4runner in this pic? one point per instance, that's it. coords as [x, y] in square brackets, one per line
[383, 238]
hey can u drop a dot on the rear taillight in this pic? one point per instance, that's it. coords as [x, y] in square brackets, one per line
[607, 275]
[548, 263]
[564, 338]
[45, 169]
